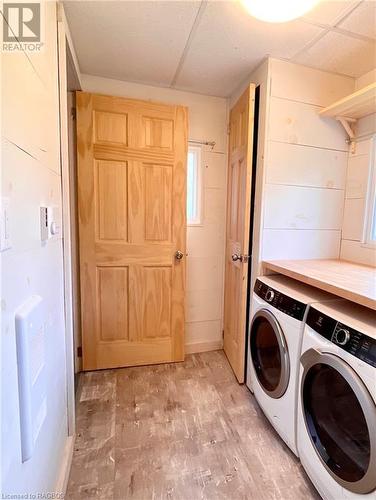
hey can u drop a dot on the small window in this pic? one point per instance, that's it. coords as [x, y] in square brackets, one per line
[194, 191]
[369, 236]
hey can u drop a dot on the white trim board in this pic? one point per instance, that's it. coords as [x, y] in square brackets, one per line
[197, 347]
[62, 481]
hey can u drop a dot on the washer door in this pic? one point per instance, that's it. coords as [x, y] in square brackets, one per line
[340, 418]
[269, 354]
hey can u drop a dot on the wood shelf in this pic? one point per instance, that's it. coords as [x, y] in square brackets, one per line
[352, 107]
[348, 280]
[360, 103]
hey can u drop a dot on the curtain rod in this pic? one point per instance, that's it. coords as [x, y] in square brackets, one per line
[204, 143]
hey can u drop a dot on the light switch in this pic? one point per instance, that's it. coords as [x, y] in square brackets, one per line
[49, 222]
[5, 228]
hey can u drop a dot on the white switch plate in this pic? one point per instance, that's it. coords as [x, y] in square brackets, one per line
[49, 223]
[5, 235]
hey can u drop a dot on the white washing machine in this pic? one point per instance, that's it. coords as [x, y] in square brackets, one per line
[279, 307]
[337, 401]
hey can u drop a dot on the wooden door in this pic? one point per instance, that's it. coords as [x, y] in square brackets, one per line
[132, 220]
[237, 231]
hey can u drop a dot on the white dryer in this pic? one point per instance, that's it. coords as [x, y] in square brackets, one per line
[278, 309]
[337, 401]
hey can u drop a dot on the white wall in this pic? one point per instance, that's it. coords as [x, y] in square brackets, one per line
[359, 159]
[301, 165]
[31, 177]
[305, 164]
[206, 243]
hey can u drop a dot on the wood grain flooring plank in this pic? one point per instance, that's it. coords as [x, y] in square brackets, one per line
[181, 431]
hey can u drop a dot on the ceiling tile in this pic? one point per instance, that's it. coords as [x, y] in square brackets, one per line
[229, 43]
[329, 12]
[362, 20]
[341, 54]
[131, 40]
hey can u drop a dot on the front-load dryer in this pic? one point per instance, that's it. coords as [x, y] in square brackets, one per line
[337, 401]
[278, 311]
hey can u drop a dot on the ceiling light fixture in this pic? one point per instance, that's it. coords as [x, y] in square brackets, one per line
[278, 11]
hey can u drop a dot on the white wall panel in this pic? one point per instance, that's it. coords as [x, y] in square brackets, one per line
[215, 168]
[366, 125]
[295, 244]
[203, 306]
[352, 247]
[355, 252]
[361, 147]
[299, 123]
[31, 178]
[305, 166]
[199, 330]
[204, 241]
[357, 176]
[292, 207]
[204, 273]
[308, 85]
[353, 218]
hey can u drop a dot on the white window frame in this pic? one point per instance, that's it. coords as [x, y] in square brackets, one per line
[369, 211]
[198, 181]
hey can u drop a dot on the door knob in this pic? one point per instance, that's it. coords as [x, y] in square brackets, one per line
[243, 258]
[179, 255]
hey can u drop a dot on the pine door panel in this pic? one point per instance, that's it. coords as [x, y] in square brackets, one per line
[132, 196]
[237, 232]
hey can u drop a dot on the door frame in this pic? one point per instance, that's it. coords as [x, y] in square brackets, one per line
[66, 53]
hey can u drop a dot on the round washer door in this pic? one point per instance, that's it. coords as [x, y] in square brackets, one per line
[269, 354]
[340, 418]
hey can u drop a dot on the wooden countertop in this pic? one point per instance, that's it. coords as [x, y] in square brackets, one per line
[349, 280]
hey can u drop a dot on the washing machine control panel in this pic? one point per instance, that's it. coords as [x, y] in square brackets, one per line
[280, 301]
[354, 342]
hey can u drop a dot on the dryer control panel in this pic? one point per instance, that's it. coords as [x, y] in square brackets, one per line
[280, 301]
[354, 342]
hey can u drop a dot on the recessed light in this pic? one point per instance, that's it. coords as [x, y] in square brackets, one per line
[278, 11]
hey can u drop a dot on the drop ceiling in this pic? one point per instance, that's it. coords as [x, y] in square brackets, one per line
[211, 46]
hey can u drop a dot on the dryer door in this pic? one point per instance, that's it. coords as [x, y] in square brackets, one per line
[269, 353]
[340, 417]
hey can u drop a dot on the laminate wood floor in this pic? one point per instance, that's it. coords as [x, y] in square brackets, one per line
[184, 431]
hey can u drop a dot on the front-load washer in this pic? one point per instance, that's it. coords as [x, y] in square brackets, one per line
[278, 311]
[337, 401]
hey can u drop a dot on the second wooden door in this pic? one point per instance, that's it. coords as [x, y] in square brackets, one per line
[132, 229]
[238, 227]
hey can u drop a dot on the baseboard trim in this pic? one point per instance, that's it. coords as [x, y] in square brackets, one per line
[62, 482]
[196, 347]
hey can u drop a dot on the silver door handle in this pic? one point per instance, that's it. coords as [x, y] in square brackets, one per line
[243, 258]
[179, 255]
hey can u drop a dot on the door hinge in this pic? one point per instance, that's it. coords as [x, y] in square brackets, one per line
[223, 334]
[79, 352]
[73, 113]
